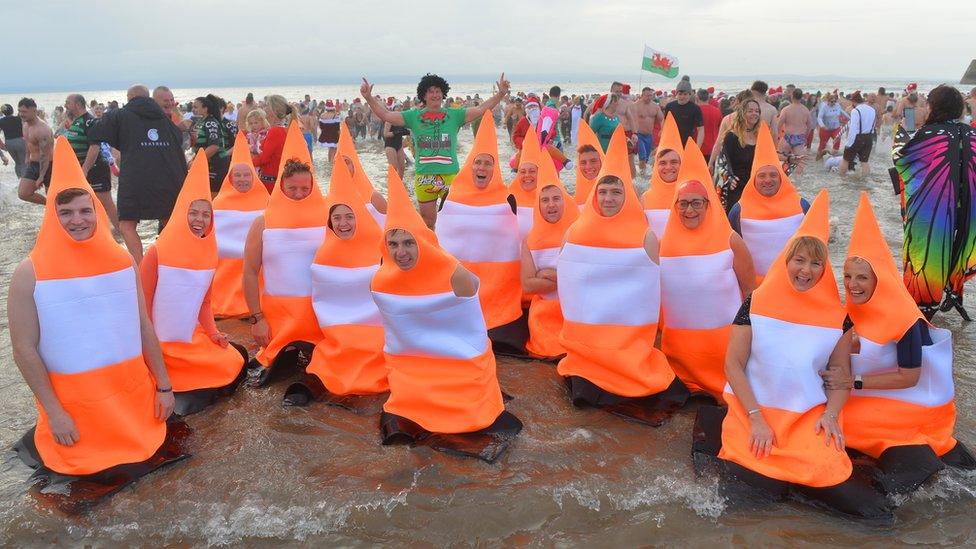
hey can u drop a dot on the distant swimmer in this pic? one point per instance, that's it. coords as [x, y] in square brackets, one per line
[434, 129]
[610, 258]
[444, 392]
[83, 341]
[795, 121]
[177, 275]
[279, 251]
[40, 147]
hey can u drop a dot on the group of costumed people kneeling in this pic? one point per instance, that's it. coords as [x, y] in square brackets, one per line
[364, 299]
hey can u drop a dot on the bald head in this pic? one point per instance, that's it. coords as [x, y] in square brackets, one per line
[138, 90]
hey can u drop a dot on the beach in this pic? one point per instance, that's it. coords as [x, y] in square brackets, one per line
[263, 474]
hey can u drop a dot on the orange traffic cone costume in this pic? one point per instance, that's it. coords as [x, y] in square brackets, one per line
[793, 334]
[767, 223]
[658, 200]
[177, 273]
[293, 232]
[349, 358]
[585, 136]
[544, 242]
[441, 366]
[347, 149]
[699, 290]
[90, 340]
[478, 227]
[234, 212]
[525, 198]
[602, 272]
[924, 415]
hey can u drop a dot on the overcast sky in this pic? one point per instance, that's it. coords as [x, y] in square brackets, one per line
[52, 45]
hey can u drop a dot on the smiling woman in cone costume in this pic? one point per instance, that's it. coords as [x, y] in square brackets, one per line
[554, 213]
[770, 210]
[609, 290]
[84, 343]
[658, 200]
[241, 199]
[177, 272]
[589, 161]
[531, 166]
[478, 225]
[782, 431]
[902, 409]
[441, 366]
[282, 244]
[349, 358]
[706, 270]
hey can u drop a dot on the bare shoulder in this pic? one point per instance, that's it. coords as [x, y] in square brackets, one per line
[463, 282]
[22, 280]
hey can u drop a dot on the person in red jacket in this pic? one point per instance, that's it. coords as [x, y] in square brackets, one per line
[279, 113]
[712, 118]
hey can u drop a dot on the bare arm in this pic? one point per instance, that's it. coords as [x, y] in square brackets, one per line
[253, 258]
[745, 271]
[477, 112]
[463, 282]
[700, 136]
[379, 109]
[762, 439]
[90, 158]
[45, 144]
[532, 282]
[840, 360]
[25, 335]
[652, 247]
[723, 129]
[153, 356]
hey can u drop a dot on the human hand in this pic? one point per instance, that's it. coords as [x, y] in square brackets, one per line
[548, 274]
[4, 160]
[831, 429]
[366, 89]
[261, 332]
[761, 439]
[165, 402]
[503, 85]
[219, 338]
[62, 427]
[836, 379]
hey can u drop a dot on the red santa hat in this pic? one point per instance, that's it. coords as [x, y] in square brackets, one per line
[711, 90]
[912, 86]
[329, 105]
[533, 99]
[625, 89]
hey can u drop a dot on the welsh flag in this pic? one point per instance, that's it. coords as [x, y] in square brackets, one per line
[659, 62]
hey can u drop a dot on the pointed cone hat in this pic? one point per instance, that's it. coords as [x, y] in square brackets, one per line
[463, 189]
[55, 253]
[712, 234]
[659, 193]
[550, 235]
[891, 310]
[177, 246]
[256, 198]
[347, 149]
[786, 201]
[360, 250]
[584, 185]
[285, 212]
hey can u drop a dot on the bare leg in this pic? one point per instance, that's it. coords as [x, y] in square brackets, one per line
[842, 170]
[106, 199]
[131, 238]
[391, 159]
[401, 161]
[332, 153]
[428, 211]
[27, 191]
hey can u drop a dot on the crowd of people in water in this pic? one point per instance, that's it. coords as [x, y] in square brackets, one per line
[716, 282]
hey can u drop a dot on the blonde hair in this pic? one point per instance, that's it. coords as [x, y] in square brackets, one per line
[809, 245]
[257, 115]
[738, 126]
[281, 109]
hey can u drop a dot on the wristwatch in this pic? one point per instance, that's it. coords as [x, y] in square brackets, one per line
[858, 383]
[253, 319]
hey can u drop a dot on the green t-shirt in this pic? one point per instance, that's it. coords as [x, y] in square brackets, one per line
[435, 139]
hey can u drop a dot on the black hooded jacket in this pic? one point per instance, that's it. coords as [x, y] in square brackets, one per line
[153, 165]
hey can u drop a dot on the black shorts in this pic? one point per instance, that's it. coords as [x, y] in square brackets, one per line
[861, 148]
[33, 172]
[100, 177]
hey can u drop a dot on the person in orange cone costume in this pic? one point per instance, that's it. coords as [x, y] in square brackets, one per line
[532, 164]
[441, 366]
[375, 203]
[81, 337]
[706, 270]
[606, 268]
[770, 210]
[349, 359]
[177, 272]
[589, 161]
[554, 212]
[902, 409]
[477, 225]
[241, 199]
[281, 245]
[658, 200]
[781, 432]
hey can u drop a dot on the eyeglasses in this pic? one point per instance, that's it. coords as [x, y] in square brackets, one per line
[695, 204]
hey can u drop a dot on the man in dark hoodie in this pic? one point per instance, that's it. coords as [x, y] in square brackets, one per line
[153, 165]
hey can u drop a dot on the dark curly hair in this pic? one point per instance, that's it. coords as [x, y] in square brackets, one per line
[945, 104]
[431, 81]
[294, 166]
[213, 104]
